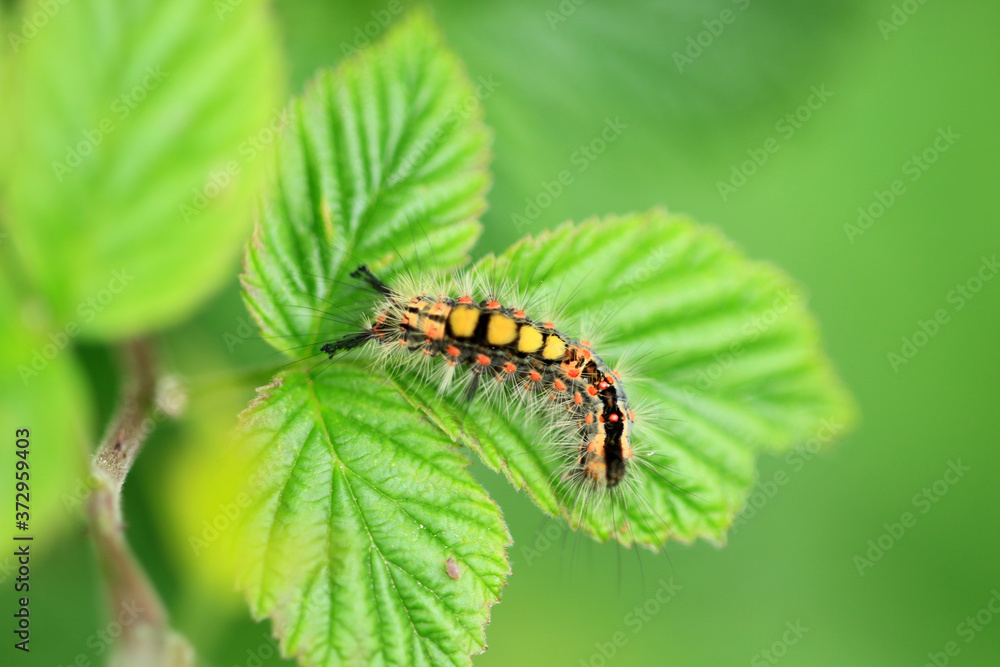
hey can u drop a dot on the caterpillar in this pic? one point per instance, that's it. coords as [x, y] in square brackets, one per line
[503, 349]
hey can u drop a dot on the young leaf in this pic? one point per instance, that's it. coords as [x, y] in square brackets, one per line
[132, 159]
[369, 542]
[729, 363]
[384, 154]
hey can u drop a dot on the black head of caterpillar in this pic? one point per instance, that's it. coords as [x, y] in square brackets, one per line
[510, 349]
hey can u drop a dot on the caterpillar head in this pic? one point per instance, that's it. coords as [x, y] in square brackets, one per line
[606, 457]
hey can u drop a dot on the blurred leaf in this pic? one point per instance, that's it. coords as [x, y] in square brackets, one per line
[136, 145]
[42, 390]
[200, 486]
[729, 363]
[386, 152]
[359, 525]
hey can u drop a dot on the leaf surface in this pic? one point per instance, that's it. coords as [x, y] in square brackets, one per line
[385, 163]
[368, 542]
[725, 361]
[362, 507]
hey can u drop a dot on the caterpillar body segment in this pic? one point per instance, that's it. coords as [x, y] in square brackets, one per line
[502, 349]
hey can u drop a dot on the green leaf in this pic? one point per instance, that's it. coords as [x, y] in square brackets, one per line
[361, 509]
[731, 363]
[136, 144]
[384, 155]
[359, 525]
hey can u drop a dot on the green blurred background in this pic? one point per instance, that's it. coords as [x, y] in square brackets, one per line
[561, 70]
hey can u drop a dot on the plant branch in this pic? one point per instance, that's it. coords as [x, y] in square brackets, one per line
[147, 638]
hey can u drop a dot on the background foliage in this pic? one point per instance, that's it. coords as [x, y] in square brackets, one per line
[554, 87]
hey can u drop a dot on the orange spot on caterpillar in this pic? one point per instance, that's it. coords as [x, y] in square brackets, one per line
[493, 304]
[433, 330]
[626, 451]
[592, 390]
[602, 385]
[586, 343]
[601, 419]
[585, 353]
[573, 373]
[535, 376]
[617, 376]
[631, 415]
[549, 325]
[613, 417]
[577, 398]
[589, 418]
[519, 313]
[465, 298]
[559, 385]
[483, 360]
[453, 351]
[592, 446]
[509, 367]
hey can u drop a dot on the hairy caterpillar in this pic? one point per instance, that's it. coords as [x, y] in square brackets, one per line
[505, 351]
